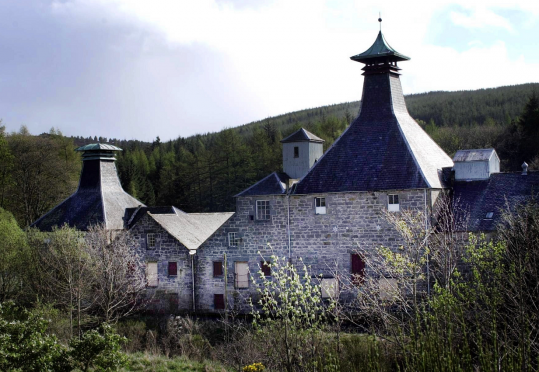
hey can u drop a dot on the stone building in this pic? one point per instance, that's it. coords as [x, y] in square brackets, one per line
[326, 209]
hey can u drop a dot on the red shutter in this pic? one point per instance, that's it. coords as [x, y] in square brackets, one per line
[358, 269]
[217, 268]
[266, 269]
[172, 268]
[219, 301]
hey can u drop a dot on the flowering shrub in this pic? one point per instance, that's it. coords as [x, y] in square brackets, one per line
[255, 367]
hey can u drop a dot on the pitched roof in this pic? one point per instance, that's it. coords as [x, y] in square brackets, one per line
[383, 149]
[302, 135]
[273, 184]
[380, 48]
[474, 199]
[99, 199]
[473, 155]
[191, 229]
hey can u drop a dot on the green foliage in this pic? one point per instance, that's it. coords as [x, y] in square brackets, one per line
[24, 344]
[99, 350]
[12, 248]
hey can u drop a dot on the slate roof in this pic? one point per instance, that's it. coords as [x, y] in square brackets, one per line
[383, 149]
[99, 199]
[474, 199]
[380, 48]
[273, 184]
[191, 229]
[473, 155]
[98, 146]
[302, 135]
[133, 215]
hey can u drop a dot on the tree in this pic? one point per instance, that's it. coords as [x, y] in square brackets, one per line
[12, 246]
[44, 172]
[62, 272]
[118, 273]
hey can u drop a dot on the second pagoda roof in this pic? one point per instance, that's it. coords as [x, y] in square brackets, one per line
[380, 48]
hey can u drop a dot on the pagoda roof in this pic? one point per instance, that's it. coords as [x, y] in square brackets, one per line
[98, 147]
[380, 48]
[302, 135]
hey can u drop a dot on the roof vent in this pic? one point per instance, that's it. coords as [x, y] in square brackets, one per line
[524, 169]
[475, 165]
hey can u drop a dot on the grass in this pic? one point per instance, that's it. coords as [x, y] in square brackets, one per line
[158, 363]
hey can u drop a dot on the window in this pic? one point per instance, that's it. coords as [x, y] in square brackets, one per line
[241, 277]
[388, 288]
[358, 269]
[265, 267]
[217, 268]
[330, 287]
[150, 239]
[172, 269]
[489, 215]
[262, 210]
[233, 240]
[296, 152]
[152, 279]
[393, 203]
[219, 301]
[320, 205]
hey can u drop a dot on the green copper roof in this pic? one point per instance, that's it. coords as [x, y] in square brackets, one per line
[98, 147]
[380, 48]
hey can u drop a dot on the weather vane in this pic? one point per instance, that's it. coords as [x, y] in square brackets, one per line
[380, 20]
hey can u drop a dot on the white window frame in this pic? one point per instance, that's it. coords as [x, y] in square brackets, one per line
[320, 205]
[149, 238]
[241, 282]
[263, 214]
[393, 203]
[152, 279]
[233, 240]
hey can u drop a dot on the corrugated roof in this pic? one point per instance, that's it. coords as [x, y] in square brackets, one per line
[473, 155]
[383, 149]
[474, 199]
[191, 229]
[302, 135]
[380, 48]
[273, 184]
[98, 146]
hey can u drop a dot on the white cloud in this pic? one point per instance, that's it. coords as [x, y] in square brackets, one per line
[280, 55]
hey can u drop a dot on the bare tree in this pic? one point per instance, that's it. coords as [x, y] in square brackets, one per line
[119, 278]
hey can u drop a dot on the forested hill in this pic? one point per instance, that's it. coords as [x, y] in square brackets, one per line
[202, 173]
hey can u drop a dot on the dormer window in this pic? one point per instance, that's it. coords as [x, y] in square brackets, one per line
[320, 205]
[489, 215]
[296, 151]
[393, 203]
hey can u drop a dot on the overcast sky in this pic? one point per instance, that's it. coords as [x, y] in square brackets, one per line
[137, 69]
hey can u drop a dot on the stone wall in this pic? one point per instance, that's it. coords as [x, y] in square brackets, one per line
[173, 293]
[354, 223]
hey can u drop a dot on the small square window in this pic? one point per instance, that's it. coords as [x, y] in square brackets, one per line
[219, 301]
[172, 269]
[320, 205]
[150, 239]
[296, 152]
[233, 240]
[152, 278]
[393, 203]
[489, 215]
[241, 277]
[262, 210]
[265, 267]
[217, 268]
[329, 287]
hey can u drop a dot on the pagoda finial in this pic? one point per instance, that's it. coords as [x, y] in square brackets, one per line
[380, 20]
